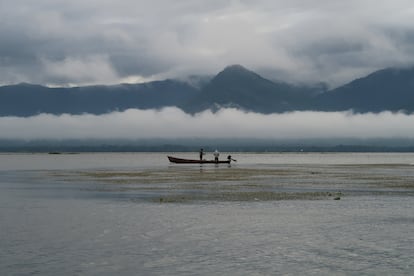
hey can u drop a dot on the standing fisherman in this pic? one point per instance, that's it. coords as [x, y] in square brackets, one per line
[216, 156]
[201, 154]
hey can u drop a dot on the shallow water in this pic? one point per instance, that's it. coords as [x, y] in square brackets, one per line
[123, 214]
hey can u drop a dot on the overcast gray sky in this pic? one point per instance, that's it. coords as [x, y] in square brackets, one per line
[79, 42]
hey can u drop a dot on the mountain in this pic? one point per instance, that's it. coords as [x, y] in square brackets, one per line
[389, 89]
[235, 86]
[238, 87]
[26, 99]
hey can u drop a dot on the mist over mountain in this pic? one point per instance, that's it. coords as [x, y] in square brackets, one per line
[235, 86]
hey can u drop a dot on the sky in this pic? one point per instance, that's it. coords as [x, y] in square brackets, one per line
[84, 42]
[81, 42]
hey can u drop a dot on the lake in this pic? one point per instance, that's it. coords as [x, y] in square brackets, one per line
[266, 214]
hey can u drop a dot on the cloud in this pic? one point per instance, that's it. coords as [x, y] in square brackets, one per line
[296, 40]
[90, 69]
[227, 123]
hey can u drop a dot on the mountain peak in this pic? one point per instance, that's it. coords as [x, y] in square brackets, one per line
[239, 87]
[236, 69]
[236, 73]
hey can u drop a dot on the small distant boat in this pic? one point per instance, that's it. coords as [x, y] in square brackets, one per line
[195, 161]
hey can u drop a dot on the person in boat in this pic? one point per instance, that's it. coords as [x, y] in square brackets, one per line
[216, 156]
[201, 154]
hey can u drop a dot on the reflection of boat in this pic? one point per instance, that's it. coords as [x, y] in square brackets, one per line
[195, 161]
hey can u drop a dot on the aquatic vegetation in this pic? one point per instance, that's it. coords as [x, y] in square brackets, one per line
[288, 182]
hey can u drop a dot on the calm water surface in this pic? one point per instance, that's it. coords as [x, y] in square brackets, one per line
[267, 214]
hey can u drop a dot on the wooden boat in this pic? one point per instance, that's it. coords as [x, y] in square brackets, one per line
[195, 161]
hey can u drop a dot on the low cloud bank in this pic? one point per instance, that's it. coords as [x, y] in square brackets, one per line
[227, 123]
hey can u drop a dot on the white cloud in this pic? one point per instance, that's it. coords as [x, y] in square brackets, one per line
[227, 123]
[86, 71]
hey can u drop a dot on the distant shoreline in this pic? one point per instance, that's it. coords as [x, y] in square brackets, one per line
[209, 145]
[169, 148]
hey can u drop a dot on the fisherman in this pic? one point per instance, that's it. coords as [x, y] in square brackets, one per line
[201, 154]
[216, 156]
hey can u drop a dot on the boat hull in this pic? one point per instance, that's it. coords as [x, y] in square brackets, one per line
[194, 161]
